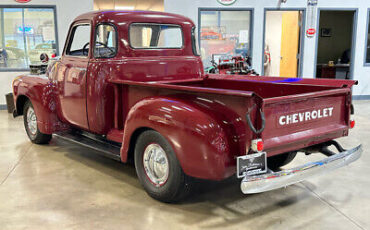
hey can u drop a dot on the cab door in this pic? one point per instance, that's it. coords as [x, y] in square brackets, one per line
[72, 85]
[100, 93]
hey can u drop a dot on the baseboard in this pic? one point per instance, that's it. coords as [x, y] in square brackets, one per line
[3, 107]
[361, 97]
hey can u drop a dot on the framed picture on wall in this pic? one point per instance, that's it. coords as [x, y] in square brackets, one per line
[326, 32]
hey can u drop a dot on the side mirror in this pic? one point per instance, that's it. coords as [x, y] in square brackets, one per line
[44, 58]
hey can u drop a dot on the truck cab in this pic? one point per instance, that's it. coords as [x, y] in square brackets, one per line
[119, 45]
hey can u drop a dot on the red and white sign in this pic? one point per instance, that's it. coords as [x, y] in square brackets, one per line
[22, 1]
[310, 32]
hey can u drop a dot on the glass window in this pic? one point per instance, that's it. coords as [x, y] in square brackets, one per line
[1, 28]
[25, 33]
[368, 41]
[224, 32]
[3, 53]
[147, 36]
[194, 42]
[79, 41]
[40, 23]
[105, 41]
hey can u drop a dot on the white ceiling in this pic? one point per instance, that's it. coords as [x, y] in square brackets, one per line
[154, 5]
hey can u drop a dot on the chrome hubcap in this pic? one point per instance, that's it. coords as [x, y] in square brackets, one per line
[31, 121]
[156, 164]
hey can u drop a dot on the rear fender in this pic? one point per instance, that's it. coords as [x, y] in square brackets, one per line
[204, 145]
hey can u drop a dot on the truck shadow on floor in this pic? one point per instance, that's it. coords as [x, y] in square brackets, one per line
[211, 204]
[126, 172]
[222, 199]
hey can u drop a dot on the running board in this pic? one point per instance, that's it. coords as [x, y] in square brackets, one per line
[105, 148]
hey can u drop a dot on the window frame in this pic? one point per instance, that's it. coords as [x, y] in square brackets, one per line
[156, 48]
[116, 42]
[367, 31]
[54, 8]
[71, 36]
[194, 42]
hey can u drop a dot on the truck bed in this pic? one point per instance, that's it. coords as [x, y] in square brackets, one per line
[264, 89]
[285, 106]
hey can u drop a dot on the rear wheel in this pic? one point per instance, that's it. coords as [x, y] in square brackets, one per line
[30, 124]
[275, 162]
[158, 169]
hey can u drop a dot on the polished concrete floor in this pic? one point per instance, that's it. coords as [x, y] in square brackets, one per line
[65, 186]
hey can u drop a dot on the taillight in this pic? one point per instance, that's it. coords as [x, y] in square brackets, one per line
[352, 122]
[53, 55]
[257, 145]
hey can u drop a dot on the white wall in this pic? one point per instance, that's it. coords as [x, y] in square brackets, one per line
[66, 11]
[273, 40]
[361, 73]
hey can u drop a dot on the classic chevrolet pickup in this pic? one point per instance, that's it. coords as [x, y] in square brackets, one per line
[131, 85]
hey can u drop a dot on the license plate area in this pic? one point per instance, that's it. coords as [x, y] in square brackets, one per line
[251, 164]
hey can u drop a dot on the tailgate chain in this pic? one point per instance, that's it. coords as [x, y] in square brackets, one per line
[250, 124]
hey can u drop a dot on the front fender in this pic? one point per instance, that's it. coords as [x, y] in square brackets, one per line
[203, 143]
[42, 94]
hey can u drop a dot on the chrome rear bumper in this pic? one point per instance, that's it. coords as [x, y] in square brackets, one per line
[275, 180]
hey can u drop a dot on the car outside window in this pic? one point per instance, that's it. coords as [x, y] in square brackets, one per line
[80, 41]
[155, 36]
[105, 41]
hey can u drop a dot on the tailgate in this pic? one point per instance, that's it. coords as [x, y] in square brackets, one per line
[297, 121]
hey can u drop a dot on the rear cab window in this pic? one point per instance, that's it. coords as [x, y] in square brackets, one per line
[155, 36]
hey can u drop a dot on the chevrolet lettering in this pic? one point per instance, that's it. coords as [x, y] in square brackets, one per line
[305, 116]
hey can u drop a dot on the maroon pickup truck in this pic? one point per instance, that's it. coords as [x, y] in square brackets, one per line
[131, 85]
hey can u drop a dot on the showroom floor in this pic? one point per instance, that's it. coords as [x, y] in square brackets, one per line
[65, 186]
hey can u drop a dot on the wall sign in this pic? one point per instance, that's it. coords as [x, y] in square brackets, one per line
[22, 1]
[26, 30]
[226, 2]
[310, 32]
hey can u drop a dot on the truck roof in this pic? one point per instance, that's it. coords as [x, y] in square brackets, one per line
[121, 16]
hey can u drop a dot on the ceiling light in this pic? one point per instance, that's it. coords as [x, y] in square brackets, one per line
[124, 7]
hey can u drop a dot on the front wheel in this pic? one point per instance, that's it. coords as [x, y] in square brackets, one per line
[158, 169]
[30, 124]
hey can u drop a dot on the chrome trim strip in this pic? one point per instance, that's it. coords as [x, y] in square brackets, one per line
[275, 180]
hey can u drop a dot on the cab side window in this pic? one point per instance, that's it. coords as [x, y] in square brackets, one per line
[105, 41]
[79, 43]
